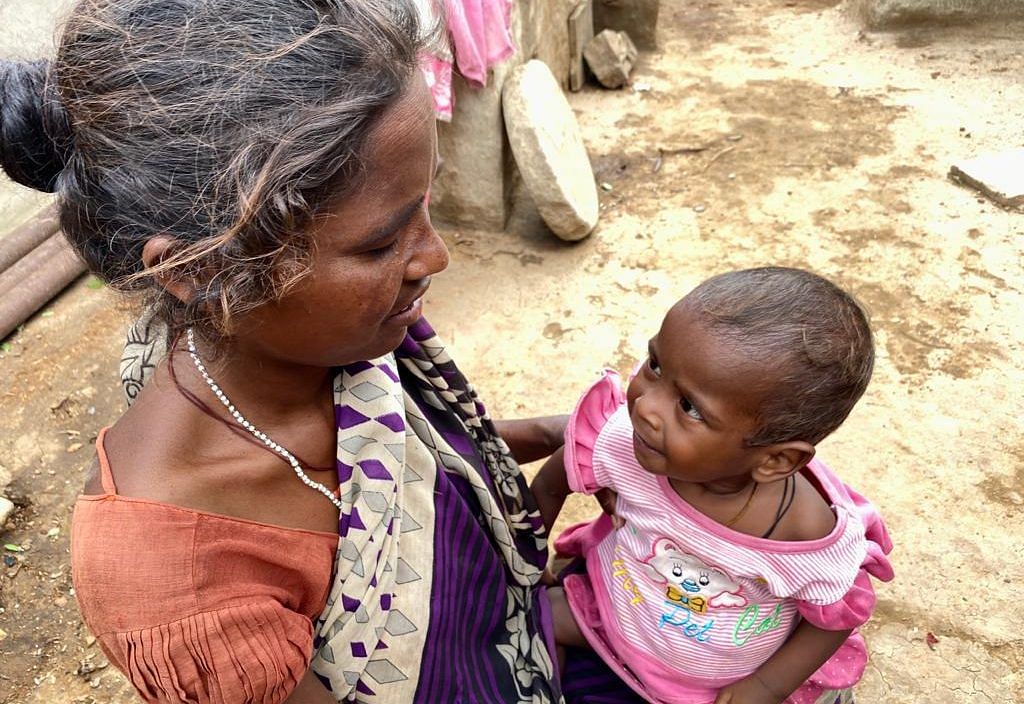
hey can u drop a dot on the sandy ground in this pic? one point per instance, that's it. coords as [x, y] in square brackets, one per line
[806, 143]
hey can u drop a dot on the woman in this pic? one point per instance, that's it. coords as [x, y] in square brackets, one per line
[306, 502]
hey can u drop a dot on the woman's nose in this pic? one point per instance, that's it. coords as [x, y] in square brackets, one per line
[431, 257]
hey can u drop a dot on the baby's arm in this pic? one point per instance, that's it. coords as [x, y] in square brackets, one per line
[806, 649]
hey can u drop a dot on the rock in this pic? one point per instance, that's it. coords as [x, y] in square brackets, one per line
[610, 56]
[637, 17]
[892, 13]
[473, 182]
[6, 509]
[581, 32]
[998, 176]
[548, 149]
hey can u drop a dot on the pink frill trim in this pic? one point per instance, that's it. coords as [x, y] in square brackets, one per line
[599, 402]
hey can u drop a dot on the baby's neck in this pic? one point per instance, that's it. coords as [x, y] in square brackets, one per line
[740, 504]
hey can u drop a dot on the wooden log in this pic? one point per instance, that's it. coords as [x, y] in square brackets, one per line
[26, 237]
[36, 278]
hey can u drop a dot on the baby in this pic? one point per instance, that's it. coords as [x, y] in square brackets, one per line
[740, 571]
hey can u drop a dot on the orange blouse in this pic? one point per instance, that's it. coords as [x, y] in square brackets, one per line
[195, 606]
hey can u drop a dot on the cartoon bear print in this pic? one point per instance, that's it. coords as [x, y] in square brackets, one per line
[690, 581]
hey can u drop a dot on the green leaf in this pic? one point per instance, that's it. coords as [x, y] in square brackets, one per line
[94, 283]
[14, 548]
[5, 347]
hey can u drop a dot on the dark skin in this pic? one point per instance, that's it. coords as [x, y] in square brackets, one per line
[375, 253]
[692, 405]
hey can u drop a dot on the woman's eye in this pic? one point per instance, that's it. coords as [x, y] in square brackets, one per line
[383, 251]
[689, 409]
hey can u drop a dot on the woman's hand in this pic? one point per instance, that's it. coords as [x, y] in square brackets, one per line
[531, 439]
[607, 498]
[310, 691]
[749, 690]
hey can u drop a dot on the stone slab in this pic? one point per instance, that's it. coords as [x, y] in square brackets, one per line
[998, 176]
[477, 179]
[548, 148]
[610, 56]
[894, 13]
[6, 509]
[637, 17]
[581, 32]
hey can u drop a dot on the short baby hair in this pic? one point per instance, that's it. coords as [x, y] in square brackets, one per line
[815, 336]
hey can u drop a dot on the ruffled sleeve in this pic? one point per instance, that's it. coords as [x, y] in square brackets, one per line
[252, 653]
[856, 606]
[592, 412]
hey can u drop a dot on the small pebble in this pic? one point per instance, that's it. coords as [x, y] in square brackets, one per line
[74, 447]
[605, 186]
[699, 208]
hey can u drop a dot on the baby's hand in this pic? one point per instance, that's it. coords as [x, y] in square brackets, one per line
[750, 690]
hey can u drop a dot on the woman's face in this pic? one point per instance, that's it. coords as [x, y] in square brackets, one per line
[373, 254]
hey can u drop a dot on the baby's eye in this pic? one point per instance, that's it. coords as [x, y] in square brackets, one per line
[704, 580]
[677, 571]
[653, 365]
[689, 409]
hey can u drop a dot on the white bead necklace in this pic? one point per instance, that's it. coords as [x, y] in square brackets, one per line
[256, 432]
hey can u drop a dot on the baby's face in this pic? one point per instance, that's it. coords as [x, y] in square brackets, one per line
[693, 402]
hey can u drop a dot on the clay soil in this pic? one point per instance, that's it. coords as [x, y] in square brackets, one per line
[762, 131]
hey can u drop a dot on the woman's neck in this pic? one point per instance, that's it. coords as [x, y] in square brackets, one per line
[259, 385]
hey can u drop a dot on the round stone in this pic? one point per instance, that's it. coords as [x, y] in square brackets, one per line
[549, 151]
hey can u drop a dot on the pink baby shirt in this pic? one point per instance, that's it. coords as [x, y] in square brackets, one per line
[681, 606]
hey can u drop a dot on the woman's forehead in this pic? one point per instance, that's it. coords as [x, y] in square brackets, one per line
[398, 163]
[408, 123]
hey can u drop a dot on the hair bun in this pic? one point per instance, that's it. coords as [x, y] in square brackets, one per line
[35, 135]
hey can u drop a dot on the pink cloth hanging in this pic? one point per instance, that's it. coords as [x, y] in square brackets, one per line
[480, 36]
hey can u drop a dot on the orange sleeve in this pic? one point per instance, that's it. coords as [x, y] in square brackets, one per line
[252, 653]
[198, 608]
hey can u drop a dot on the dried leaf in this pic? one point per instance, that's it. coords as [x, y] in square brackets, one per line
[931, 640]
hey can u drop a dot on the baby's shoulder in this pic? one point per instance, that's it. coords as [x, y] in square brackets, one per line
[810, 517]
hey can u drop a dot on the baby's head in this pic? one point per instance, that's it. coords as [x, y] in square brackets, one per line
[749, 372]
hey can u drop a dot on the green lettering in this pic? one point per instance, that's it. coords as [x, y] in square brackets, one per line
[746, 621]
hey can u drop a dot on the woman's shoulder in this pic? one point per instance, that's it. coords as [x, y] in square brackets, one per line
[138, 562]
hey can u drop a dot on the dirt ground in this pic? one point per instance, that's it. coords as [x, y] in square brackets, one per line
[763, 131]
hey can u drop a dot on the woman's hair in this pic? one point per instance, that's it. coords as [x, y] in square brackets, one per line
[226, 125]
[813, 339]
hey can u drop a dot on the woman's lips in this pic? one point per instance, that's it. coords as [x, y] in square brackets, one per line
[410, 314]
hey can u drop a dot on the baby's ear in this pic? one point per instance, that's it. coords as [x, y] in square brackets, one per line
[783, 459]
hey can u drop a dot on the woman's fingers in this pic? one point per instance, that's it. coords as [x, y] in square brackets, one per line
[607, 499]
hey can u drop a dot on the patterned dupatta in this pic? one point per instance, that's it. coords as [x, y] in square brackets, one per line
[406, 422]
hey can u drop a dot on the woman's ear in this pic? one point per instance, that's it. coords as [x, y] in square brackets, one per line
[783, 459]
[154, 253]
